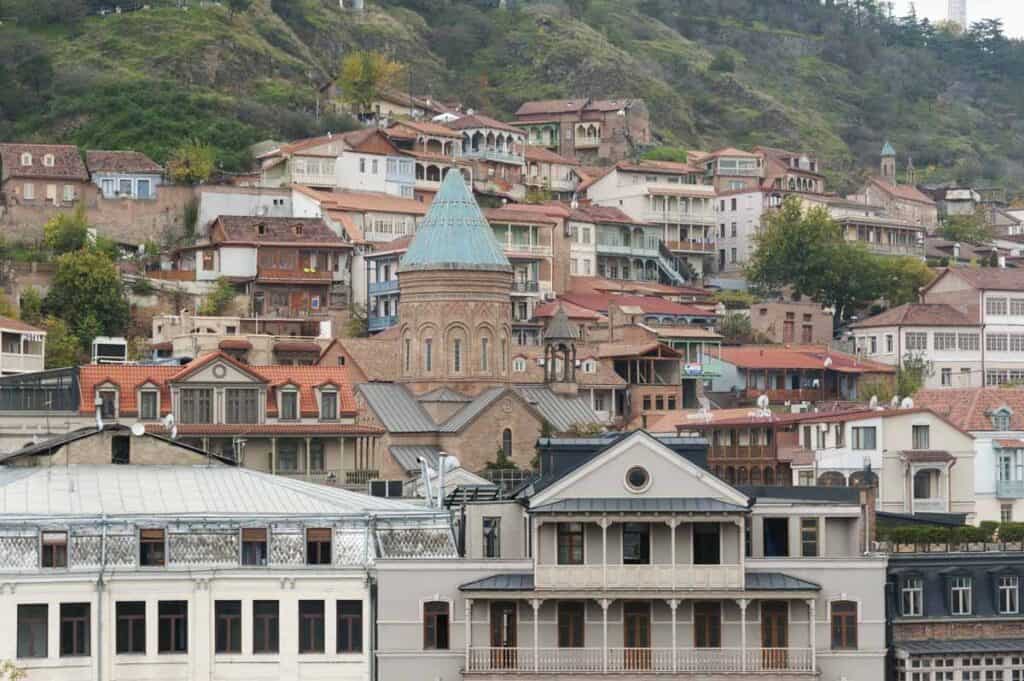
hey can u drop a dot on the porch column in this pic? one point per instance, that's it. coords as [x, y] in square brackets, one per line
[605, 603]
[341, 461]
[273, 456]
[672, 525]
[206, 444]
[604, 522]
[469, 629]
[673, 604]
[811, 605]
[536, 633]
[743, 603]
[309, 455]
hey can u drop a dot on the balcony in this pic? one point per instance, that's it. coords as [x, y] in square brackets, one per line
[375, 323]
[296, 276]
[797, 395]
[607, 248]
[895, 249]
[378, 288]
[494, 155]
[316, 179]
[690, 246]
[514, 250]
[492, 660]
[525, 287]
[14, 362]
[676, 217]
[587, 142]
[1005, 489]
[639, 577]
[550, 184]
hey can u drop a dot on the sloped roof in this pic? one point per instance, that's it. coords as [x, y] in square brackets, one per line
[657, 167]
[729, 151]
[961, 646]
[798, 357]
[571, 310]
[604, 375]
[481, 121]
[517, 581]
[986, 278]
[121, 162]
[128, 379]
[444, 394]
[374, 356]
[67, 163]
[971, 409]
[363, 201]
[397, 408]
[562, 412]
[887, 149]
[426, 128]
[246, 229]
[776, 581]
[551, 106]
[545, 155]
[639, 505]
[519, 215]
[370, 141]
[408, 456]
[903, 191]
[11, 324]
[647, 304]
[454, 234]
[464, 416]
[917, 314]
[600, 214]
[559, 327]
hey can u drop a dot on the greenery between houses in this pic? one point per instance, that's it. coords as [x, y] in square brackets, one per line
[988, 532]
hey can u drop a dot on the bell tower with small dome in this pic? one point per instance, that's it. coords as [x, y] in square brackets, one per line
[888, 167]
[560, 354]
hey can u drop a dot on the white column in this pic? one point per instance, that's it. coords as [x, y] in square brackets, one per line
[673, 604]
[536, 633]
[604, 550]
[605, 603]
[273, 456]
[309, 455]
[469, 629]
[743, 602]
[811, 605]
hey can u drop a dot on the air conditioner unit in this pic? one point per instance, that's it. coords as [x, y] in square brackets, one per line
[549, 296]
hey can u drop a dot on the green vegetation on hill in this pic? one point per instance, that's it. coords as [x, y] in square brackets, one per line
[835, 78]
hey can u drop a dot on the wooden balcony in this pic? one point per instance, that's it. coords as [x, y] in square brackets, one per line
[690, 246]
[639, 577]
[727, 452]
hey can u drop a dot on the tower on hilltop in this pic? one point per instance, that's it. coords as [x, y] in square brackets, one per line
[888, 167]
[957, 13]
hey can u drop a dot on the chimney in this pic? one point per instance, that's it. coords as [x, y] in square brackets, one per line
[956, 251]
[1002, 262]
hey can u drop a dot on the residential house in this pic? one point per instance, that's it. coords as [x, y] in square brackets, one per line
[969, 325]
[732, 169]
[434, 148]
[586, 129]
[654, 311]
[37, 174]
[739, 214]
[582, 228]
[791, 171]
[22, 347]
[804, 322]
[194, 570]
[216, 200]
[382, 293]
[628, 559]
[994, 416]
[903, 202]
[673, 200]
[550, 173]
[497, 155]
[875, 226]
[124, 174]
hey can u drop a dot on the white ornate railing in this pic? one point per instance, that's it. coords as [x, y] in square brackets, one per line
[638, 577]
[639, 660]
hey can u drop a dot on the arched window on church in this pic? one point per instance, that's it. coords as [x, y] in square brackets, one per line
[506, 443]
[457, 355]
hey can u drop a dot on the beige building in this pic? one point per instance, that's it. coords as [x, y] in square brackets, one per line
[904, 202]
[792, 322]
[586, 129]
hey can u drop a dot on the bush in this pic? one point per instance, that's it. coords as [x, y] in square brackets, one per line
[31, 306]
[143, 287]
[218, 301]
[723, 63]
[1011, 532]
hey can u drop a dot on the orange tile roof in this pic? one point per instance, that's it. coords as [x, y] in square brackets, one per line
[363, 201]
[425, 127]
[545, 155]
[917, 314]
[128, 379]
[903, 191]
[11, 324]
[971, 408]
[799, 357]
[200, 429]
[521, 215]
[572, 311]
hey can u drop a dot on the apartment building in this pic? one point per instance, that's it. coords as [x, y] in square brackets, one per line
[586, 129]
[382, 293]
[194, 571]
[496, 154]
[627, 559]
[434, 148]
[731, 169]
[252, 340]
[551, 173]
[969, 325]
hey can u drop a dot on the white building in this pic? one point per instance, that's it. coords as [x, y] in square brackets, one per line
[194, 572]
[217, 200]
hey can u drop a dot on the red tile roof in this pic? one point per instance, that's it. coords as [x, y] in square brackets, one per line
[663, 167]
[729, 151]
[551, 106]
[128, 379]
[121, 162]
[544, 155]
[599, 302]
[425, 127]
[799, 357]
[364, 201]
[572, 311]
[917, 314]
[481, 121]
[67, 163]
[985, 278]
[518, 215]
[600, 214]
[247, 230]
[234, 344]
[902, 191]
[10, 324]
[972, 408]
[199, 429]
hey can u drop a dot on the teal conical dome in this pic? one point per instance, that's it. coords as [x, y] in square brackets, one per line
[454, 235]
[888, 150]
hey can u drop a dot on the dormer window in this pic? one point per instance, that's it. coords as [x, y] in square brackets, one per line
[107, 403]
[26, 159]
[1001, 418]
[289, 405]
[961, 595]
[328, 405]
[912, 597]
[149, 404]
[48, 160]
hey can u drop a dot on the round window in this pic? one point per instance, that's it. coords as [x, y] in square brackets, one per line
[637, 478]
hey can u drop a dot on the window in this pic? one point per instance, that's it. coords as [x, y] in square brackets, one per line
[28, 191]
[196, 405]
[872, 345]
[142, 189]
[968, 341]
[570, 543]
[707, 625]
[960, 596]
[997, 342]
[647, 402]
[26, 159]
[74, 629]
[1009, 595]
[151, 548]
[922, 437]
[228, 618]
[995, 306]
[241, 405]
[32, 625]
[265, 625]
[362, 165]
[809, 537]
[571, 624]
[946, 377]
[889, 343]
[288, 456]
[69, 193]
[373, 166]
[457, 355]
[328, 405]
[863, 437]
[131, 627]
[148, 405]
[518, 365]
[483, 354]
[428, 356]
[636, 544]
[316, 456]
[917, 340]
[1001, 419]
[844, 625]
[318, 546]
[945, 341]
[289, 405]
[55, 549]
[776, 537]
[805, 479]
[311, 627]
[492, 537]
[108, 406]
[435, 625]
[912, 597]
[254, 546]
[1006, 513]
[172, 627]
[707, 548]
[350, 627]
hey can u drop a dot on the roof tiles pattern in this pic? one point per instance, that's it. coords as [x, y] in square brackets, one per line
[67, 162]
[971, 409]
[121, 162]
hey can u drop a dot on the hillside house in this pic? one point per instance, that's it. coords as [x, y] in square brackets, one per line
[586, 129]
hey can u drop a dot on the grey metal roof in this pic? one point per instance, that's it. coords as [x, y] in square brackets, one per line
[408, 456]
[957, 646]
[639, 505]
[559, 328]
[811, 494]
[397, 408]
[178, 491]
[444, 395]
[516, 581]
[55, 443]
[461, 418]
[776, 581]
[560, 411]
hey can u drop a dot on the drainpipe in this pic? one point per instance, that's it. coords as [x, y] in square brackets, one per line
[99, 600]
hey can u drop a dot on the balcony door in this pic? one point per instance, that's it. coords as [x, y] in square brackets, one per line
[774, 634]
[503, 635]
[636, 619]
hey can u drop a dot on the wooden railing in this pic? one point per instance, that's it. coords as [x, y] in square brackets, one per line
[638, 660]
[171, 275]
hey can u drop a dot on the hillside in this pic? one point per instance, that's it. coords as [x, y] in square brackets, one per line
[741, 72]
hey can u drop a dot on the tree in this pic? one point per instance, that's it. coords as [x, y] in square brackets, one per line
[674, 154]
[736, 300]
[31, 306]
[723, 62]
[219, 299]
[236, 6]
[356, 326]
[363, 75]
[901, 279]
[971, 229]
[88, 295]
[63, 348]
[913, 373]
[735, 329]
[67, 232]
[191, 163]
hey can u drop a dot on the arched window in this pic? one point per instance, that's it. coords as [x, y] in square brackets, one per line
[484, 354]
[48, 160]
[741, 475]
[730, 474]
[506, 443]
[831, 479]
[457, 355]
[769, 475]
[755, 476]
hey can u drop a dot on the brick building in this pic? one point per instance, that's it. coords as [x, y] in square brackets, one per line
[586, 129]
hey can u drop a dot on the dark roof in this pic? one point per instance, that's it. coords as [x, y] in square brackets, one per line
[397, 408]
[888, 519]
[67, 162]
[942, 646]
[639, 505]
[559, 327]
[462, 417]
[407, 456]
[935, 569]
[516, 581]
[776, 581]
[834, 495]
[121, 162]
[561, 411]
[55, 443]
[246, 229]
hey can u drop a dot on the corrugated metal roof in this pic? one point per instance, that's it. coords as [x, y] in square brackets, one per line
[776, 581]
[516, 581]
[461, 418]
[178, 491]
[560, 411]
[639, 505]
[407, 456]
[956, 646]
[397, 408]
[444, 395]
[802, 494]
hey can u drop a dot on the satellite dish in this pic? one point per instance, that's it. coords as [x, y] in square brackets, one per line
[762, 401]
[828, 362]
[815, 383]
[873, 402]
[907, 403]
[138, 429]
[895, 401]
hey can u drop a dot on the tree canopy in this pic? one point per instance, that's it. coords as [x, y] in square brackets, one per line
[191, 163]
[364, 75]
[87, 294]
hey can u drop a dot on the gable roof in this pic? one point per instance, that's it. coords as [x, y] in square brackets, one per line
[971, 409]
[397, 408]
[600, 302]
[128, 378]
[594, 213]
[481, 121]
[121, 162]
[561, 411]
[67, 163]
[425, 128]
[370, 141]
[798, 357]
[209, 358]
[11, 324]
[55, 443]
[571, 310]
[545, 155]
[363, 201]
[917, 314]
[559, 327]
[465, 416]
[444, 394]
[408, 456]
[985, 278]
[551, 106]
[905, 192]
[244, 229]
[373, 356]
[454, 235]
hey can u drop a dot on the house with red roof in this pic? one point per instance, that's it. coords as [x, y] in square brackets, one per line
[496, 152]
[903, 201]
[434, 148]
[586, 129]
[551, 172]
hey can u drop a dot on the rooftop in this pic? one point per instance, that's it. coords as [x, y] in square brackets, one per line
[971, 409]
[252, 230]
[917, 314]
[799, 357]
[121, 162]
[67, 162]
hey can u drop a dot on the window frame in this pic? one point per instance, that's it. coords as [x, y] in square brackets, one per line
[350, 623]
[312, 623]
[315, 553]
[327, 394]
[31, 619]
[436, 625]
[288, 409]
[570, 539]
[145, 393]
[80, 625]
[156, 559]
[268, 626]
[806, 542]
[843, 625]
[1008, 594]
[136, 639]
[912, 593]
[491, 542]
[175, 624]
[707, 624]
[961, 595]
[231, 641]
[57, 559]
